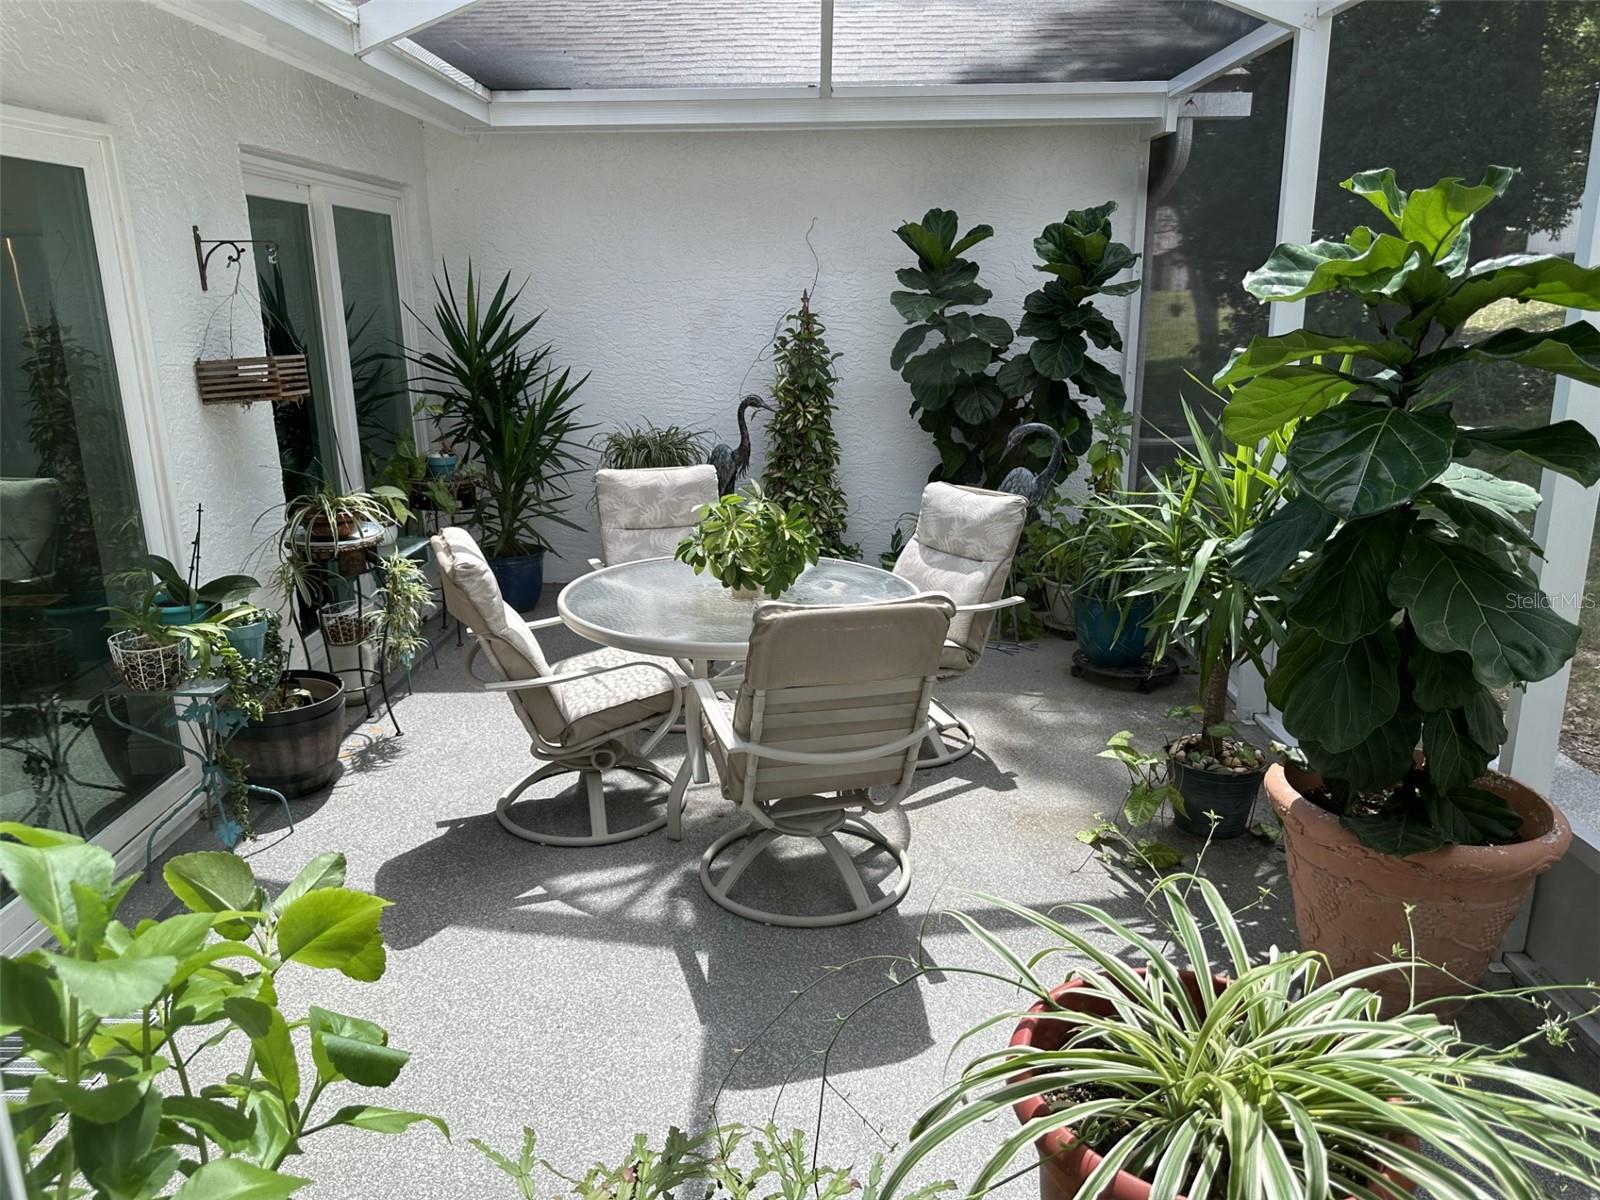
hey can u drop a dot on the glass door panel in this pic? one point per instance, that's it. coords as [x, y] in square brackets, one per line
[1577, 778]
[69, 521]
[308, 449]
[364, 243]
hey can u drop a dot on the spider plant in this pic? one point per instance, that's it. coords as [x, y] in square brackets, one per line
[650, 445]
[1280, 1081]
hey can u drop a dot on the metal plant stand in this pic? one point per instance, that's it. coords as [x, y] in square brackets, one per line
[214, 724]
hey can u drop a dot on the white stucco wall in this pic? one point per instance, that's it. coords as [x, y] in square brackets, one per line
[666, 260]
[182, 103]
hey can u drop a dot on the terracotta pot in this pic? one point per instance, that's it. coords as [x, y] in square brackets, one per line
[1350, 901]
[1065, 1162]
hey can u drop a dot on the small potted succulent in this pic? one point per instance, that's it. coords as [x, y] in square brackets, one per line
[751, 544]
[442, 460]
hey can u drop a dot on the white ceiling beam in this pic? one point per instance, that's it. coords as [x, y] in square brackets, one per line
[380, 24]
[848, 107]
[825, 53]
[1290, 14]
[1251, 45]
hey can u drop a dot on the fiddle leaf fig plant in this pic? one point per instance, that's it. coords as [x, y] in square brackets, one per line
[954, 393]
[1411, 602]
[131, 1025]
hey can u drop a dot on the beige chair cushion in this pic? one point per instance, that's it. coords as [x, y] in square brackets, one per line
[567, 713]
[646, 512]
[603, 704]
[795, 650]
[29, 512]
[965, 540]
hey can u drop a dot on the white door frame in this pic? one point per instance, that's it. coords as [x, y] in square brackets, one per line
[88, 146]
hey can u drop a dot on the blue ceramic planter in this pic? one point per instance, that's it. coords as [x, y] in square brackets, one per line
[181, 614]
[249, 640]
[1112, 635]
[521, 578]
[441, 466]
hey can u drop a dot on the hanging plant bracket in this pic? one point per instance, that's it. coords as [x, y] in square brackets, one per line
[236, 251]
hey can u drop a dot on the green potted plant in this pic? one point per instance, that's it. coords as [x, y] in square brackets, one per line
[802, 451]
[1411, 606]
[163, 1062]
[182, 598]
[752, 544]
[1183, 529]
[327, 525]
[442, 460]
[629, 447]
[516, 418]
[1207, 1073]
[407, 470]
[150, 653]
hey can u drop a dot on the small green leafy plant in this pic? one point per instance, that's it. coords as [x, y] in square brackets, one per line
[187, 590]
[752, 544]
[802, 451]
[1411, 601]
[1279, 1080]
[125, 1024]
[630, 447]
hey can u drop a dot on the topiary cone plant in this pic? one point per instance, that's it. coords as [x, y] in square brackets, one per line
[1411, 602]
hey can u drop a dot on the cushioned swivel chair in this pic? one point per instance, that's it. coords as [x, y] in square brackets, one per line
[833, 702]
[645, 512]
[964, 542]
[580, 711]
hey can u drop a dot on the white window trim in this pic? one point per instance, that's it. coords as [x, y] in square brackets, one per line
[88, 146]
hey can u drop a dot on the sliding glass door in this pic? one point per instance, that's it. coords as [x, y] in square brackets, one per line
[73, 509]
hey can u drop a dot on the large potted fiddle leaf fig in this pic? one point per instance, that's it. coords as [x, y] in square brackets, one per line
[1412, 607]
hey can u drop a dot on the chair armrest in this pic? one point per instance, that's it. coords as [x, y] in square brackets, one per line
[991, 605]
[595, 564]
[716, 717]
[544, 681]
[545, 623]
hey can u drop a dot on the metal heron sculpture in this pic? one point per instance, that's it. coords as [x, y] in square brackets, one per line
[730, 462]
[1020, 481]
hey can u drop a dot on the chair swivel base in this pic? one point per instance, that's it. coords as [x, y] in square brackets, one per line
[950, 739]
[761, 838]
[600, 832]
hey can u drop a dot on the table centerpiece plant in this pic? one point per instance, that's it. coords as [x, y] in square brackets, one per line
[751, 544]
[1412, 605]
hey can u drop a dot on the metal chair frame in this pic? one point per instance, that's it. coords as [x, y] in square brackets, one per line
[950, 738]
[591, 758]
[809, 815]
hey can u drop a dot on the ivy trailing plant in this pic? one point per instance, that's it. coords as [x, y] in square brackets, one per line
[964, 390]
[1411, 602]
[802, 451]
[125, 1024]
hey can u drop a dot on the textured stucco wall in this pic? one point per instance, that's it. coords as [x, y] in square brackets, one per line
[182, 103]
[665, 261]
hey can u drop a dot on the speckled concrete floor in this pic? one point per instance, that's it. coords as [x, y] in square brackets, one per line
[593, 993]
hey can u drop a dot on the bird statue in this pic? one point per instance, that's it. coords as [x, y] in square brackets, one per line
[731, 463]
[1020, 481]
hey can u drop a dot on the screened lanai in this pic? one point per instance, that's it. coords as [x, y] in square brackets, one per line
[495, 536]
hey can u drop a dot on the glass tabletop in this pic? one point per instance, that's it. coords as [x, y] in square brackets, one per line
[660, 606]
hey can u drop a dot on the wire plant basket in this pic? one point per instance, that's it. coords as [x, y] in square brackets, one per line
[144, 665]
[348, 623]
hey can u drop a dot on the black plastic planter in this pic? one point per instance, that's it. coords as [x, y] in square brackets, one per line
[296, 751]
[1232, 797]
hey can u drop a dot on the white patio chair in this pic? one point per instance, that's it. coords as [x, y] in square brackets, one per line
[580, 711]
[964, 542]
[833, 700]
[646, 511]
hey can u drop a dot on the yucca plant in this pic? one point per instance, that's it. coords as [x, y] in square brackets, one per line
[1276, 1081]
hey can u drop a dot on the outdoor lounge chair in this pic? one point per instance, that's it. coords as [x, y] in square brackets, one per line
[580, 711]
[833, 700]
[964, 542]
[646, 511]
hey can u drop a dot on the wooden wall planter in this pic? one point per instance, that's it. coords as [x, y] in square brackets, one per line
[273, 378]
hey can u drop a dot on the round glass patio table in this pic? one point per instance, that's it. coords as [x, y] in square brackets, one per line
[660, 606]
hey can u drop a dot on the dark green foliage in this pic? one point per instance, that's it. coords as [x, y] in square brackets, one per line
[802, 451]
[630, 447]
[1405, 622]
[964, 389]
